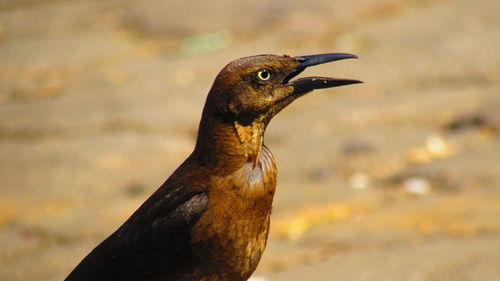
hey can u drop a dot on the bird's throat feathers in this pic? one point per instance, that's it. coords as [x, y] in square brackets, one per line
[250, 138]
[231, 143]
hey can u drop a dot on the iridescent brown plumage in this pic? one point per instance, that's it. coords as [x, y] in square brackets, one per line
[210, 219]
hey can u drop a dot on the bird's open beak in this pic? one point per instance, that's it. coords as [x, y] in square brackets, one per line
[308, 84]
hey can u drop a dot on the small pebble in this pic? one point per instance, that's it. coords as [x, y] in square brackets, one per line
[360, 181]
[417, 186]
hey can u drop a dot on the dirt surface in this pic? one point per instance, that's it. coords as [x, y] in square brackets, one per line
[397, 179]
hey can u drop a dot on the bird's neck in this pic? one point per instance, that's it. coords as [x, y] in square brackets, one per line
[229, 145]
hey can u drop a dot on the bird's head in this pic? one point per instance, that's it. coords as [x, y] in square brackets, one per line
[258, 87]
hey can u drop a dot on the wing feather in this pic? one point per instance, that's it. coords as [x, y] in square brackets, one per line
[155, 236]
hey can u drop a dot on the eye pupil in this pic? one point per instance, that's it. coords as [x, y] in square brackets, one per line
[264, 74]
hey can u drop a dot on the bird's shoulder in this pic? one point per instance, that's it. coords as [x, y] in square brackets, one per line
[171, 207]
[171, 210]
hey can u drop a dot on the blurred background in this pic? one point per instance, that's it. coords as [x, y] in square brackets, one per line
[396, 179]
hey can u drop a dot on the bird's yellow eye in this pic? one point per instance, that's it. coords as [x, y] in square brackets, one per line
[264, 74]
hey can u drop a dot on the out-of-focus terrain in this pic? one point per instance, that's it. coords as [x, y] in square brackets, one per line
[397, 179]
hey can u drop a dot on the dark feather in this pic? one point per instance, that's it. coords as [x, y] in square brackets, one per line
[154, 237]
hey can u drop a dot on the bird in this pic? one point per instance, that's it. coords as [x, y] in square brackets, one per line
[210, 219]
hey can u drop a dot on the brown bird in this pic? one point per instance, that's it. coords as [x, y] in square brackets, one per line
[210, 219]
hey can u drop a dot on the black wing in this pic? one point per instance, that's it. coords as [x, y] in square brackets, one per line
[153, 239]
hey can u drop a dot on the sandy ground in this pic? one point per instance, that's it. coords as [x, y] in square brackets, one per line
[395, 179]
